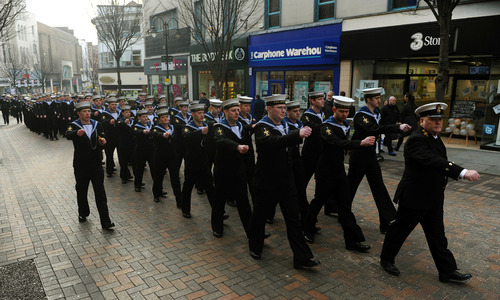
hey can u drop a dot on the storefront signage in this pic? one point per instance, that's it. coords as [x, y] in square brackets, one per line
[157, 67]
[4, 82]
[309, 46]
[488, 129]
[420, 41]
[237, 53]
[463, 109]
[280, 53]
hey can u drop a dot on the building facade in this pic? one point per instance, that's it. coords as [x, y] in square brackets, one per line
[131, 63]
[60, 59]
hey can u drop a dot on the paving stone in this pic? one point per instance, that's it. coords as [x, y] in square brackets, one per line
[156, 253]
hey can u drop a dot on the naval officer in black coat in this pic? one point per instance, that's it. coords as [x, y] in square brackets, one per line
[420, 195]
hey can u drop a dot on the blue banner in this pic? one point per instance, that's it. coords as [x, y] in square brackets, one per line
[309, 46]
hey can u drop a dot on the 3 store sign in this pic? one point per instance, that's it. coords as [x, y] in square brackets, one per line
[420, 41]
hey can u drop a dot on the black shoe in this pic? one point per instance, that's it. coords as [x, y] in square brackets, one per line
[108, 226]
[56, 138]
[82, 219]
[308, 263]
[309, 239]
[143, 184]
[138, 189]
[454, 276]
[109, 174]
[226, 216]
[124, 181]
[231, 203]
[392, 153]
[380, 158]
[358, 247]
[317, 229]
[389, 267]
[382, 151]
[186, 215]
[396, 149]
[51, 139]
[157, 199]
[269, 221]
[200, 191]
[332, 214]
[255, 255]
[163, 193]
[163, 196]
[267, 235]
[114, 170]
[216, 234]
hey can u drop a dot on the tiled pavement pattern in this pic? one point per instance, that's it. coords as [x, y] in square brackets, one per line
[156, 253]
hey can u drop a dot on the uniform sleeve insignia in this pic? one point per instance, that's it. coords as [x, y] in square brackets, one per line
[176, 121]
[135, 128]
[70, 128]
[307, 118]
[186, 130]
[219, 131]
[154, 130]
[266, 132]
[328, 131]
[103, 117]
[365, 120]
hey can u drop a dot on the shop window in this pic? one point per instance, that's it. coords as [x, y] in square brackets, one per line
[199, 31]
[169, 17]
[261, 82]
[273, 13]
[324, 9]
[136, 58]
[235, 83]
[402, 4]
[299, 83]
[390, 67]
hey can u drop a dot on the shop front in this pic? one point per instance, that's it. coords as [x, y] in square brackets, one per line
[405, 59]
[236, 75]
[295, 61]
[156, 70]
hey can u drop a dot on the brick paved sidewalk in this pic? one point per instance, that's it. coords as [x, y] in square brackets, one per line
[156, 253]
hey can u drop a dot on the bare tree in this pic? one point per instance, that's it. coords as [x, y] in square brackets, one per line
[41, 69]
[214, 25]
[118, 27]
[9, 13]
[91, 65]
[12, 65]
[442, 10]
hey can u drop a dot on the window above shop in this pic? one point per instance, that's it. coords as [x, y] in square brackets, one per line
[169, 17]
[324, 9]
[273, 13]
[402, 4]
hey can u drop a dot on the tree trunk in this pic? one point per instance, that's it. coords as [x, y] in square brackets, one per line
[118, 75]
[443, 76]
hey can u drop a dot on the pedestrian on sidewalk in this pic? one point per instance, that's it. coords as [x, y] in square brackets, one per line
[88, 140]
[420, 194]
[390, 116]
[409, 117]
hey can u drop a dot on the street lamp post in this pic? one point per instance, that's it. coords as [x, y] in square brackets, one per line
[166, 29]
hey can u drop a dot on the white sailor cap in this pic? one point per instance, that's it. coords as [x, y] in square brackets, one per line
[433, 110]
[342, 102]
[275, 99]
[215, 102]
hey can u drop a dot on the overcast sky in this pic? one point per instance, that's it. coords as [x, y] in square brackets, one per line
[75, 14]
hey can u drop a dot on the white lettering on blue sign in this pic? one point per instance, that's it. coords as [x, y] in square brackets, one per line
[287, 53]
